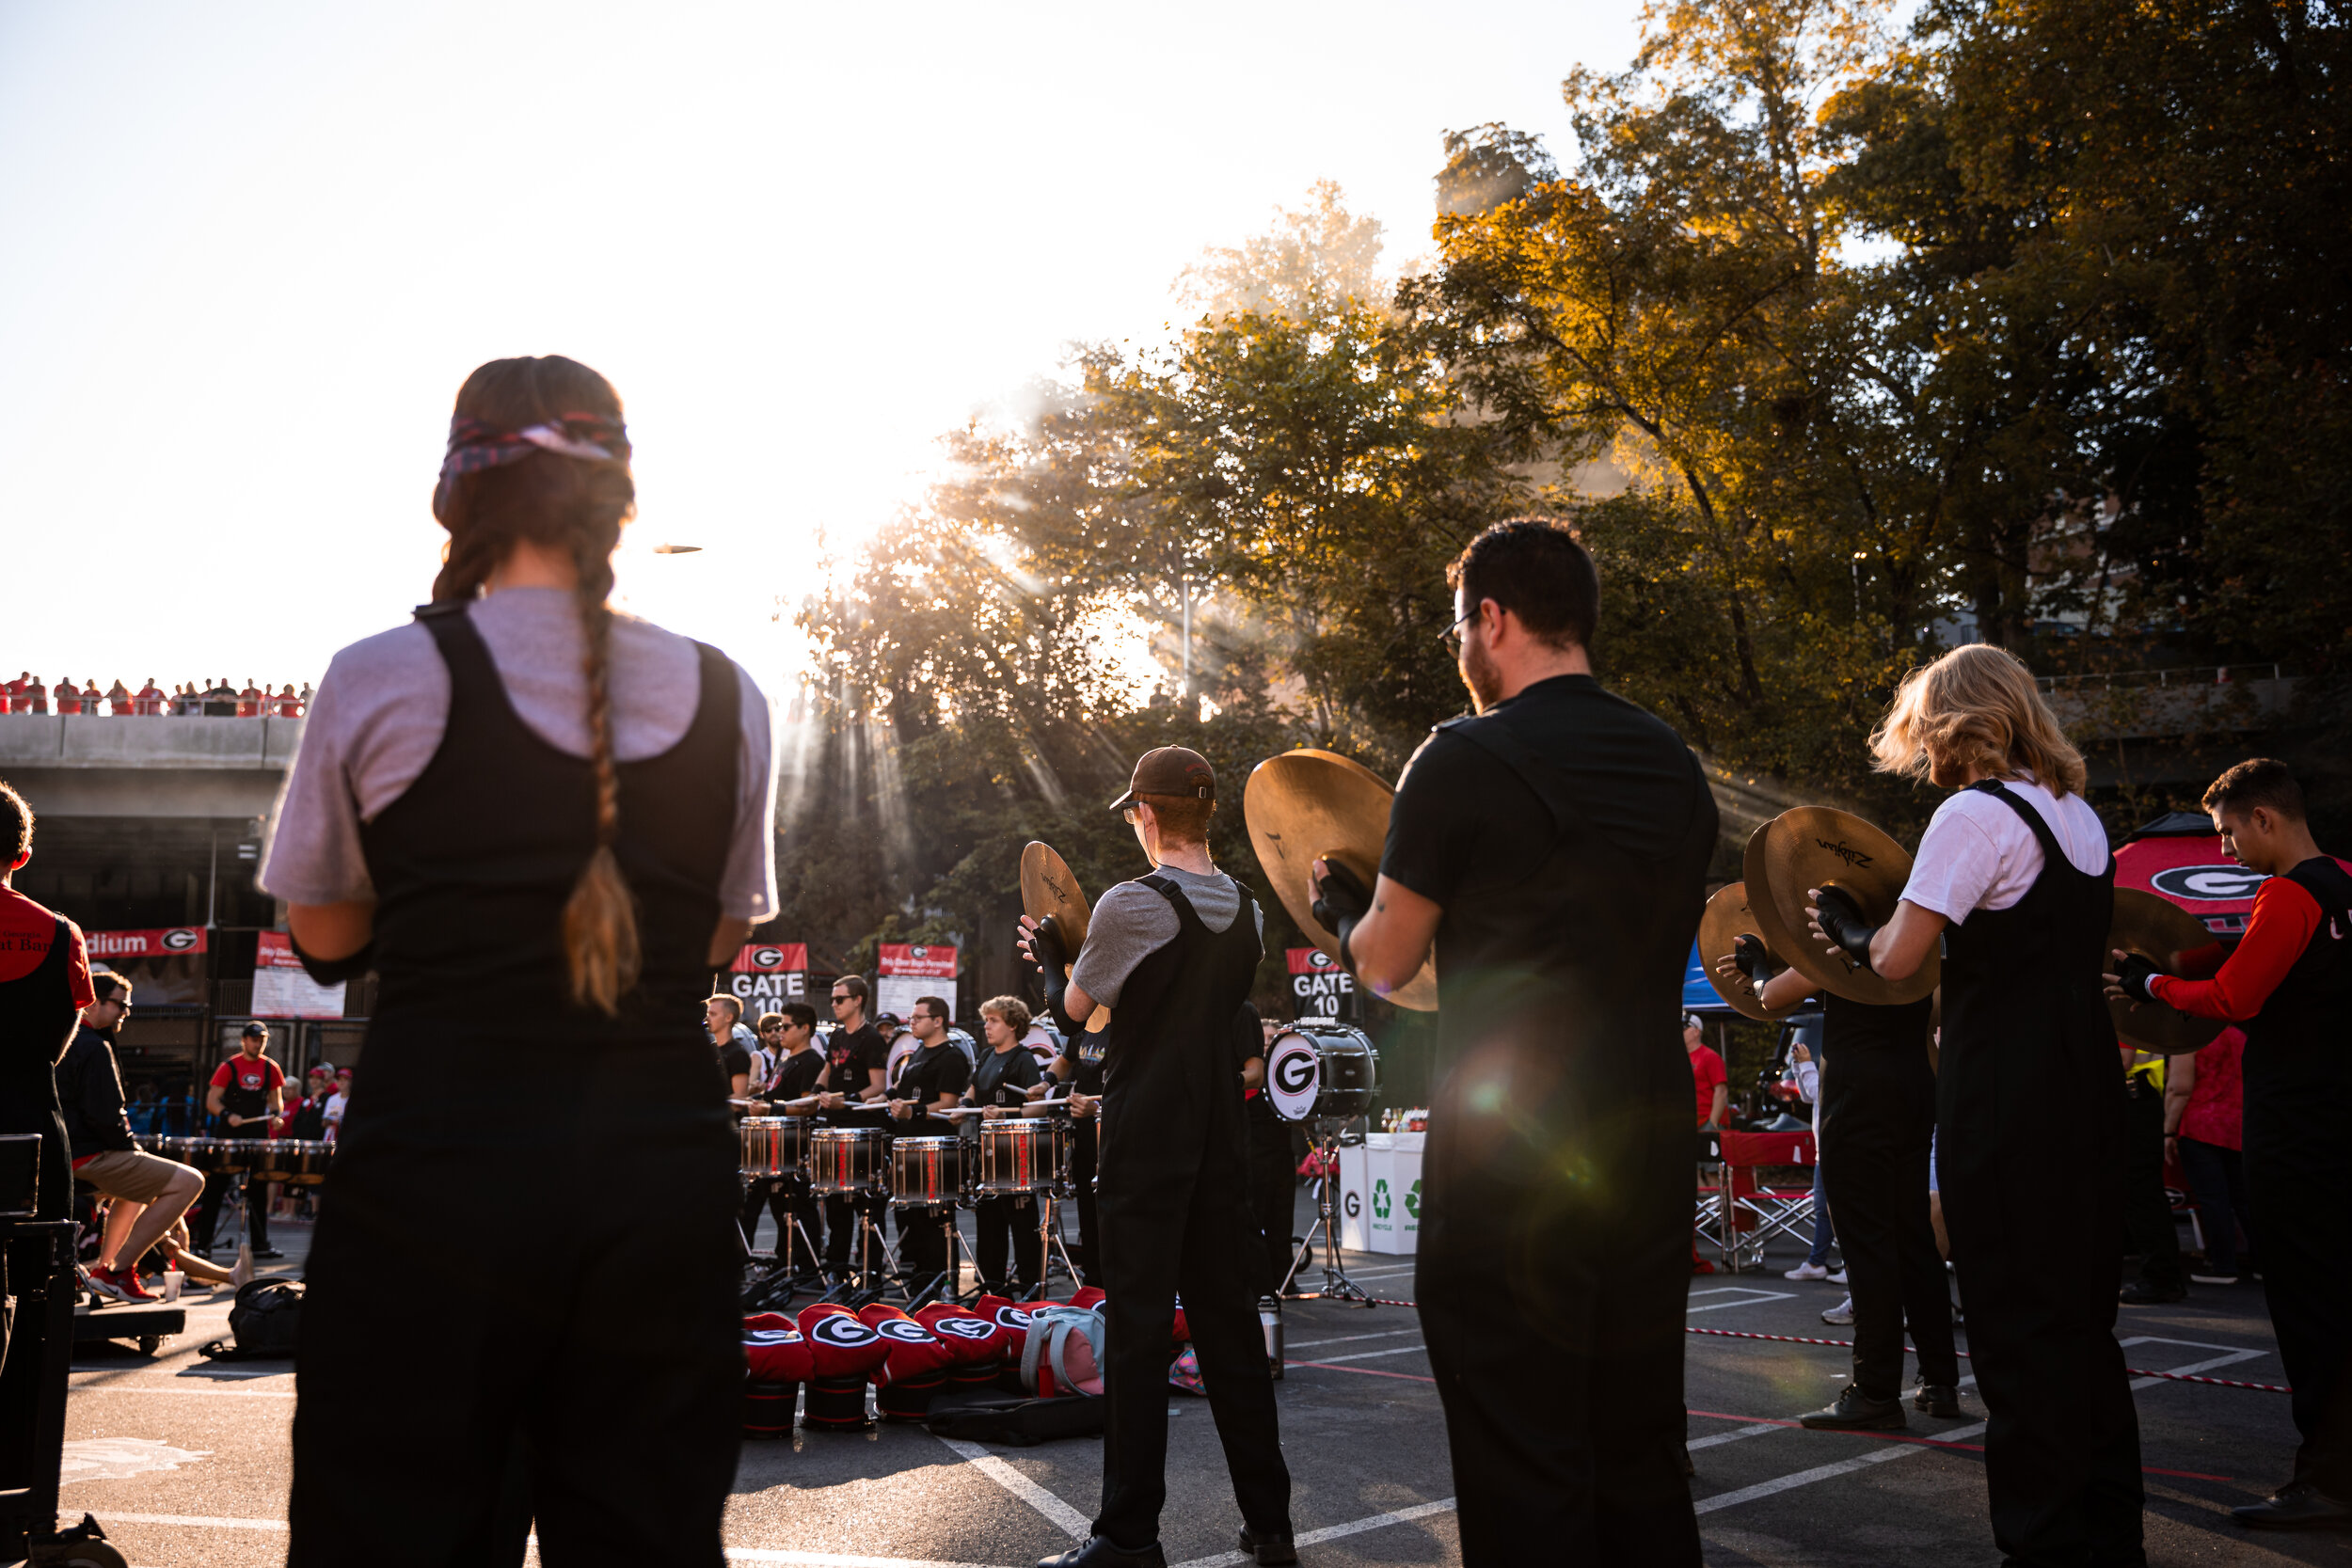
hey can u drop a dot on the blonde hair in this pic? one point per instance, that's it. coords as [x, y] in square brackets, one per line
[1975, 707]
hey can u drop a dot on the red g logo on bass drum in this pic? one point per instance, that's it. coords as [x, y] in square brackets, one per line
[844, 1333]
[1293, 1071]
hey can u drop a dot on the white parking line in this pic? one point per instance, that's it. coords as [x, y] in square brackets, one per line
[1369, 1354]
[1349, 1338]
[1068, 1519]
[1897, 1450]
[196, 1387]
[1336, 1533]
[1754, 1297]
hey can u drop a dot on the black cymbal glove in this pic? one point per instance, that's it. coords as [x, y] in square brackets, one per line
[1749, 956]
[1045, 945]
[1841, 922]
[1344, 900]
[2133, 974]
[328, 972]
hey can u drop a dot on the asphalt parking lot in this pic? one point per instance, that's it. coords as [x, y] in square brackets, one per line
[185, 1462]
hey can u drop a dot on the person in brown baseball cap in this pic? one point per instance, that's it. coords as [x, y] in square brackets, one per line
[1172, 956]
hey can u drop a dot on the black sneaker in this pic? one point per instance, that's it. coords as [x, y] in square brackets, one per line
[1857, 1411]
[1271, 1550]
[1936, 1399]
[267, 1254]
[2140, 1293]
[2297, 1505]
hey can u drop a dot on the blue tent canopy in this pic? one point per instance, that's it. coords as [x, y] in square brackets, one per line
[1698, 992]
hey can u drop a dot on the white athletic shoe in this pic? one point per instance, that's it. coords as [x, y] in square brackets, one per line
[1838, 1278]
[1841, 1314]
[1806, 1271]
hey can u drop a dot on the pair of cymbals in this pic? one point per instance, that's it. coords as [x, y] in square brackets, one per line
[1048, 887]
[2155, 928]
[1307, 806]
[1816, 847]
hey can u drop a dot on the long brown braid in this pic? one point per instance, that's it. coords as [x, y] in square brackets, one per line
[563, 503]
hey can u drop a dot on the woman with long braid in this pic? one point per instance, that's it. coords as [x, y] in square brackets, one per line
[541, 824]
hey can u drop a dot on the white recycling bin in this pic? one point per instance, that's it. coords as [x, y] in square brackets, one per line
[1355, 1198]
[1391, 1188]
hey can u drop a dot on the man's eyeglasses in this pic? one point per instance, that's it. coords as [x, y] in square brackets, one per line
[838, 1000]
[1452, 636]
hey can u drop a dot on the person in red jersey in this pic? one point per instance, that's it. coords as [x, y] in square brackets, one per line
[69, 696]
[147, 703]
[2288, 986]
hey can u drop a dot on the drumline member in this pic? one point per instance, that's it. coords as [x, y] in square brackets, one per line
[856, 1056]
[2288, 983]
[247, 1099]
[1273, 1164]
[797, 1066]
[543, 825]
[931, 1083]
[1554, 849]
[1000, 1086]
[2013, 876]
[1876, 1119]
[723, 1020]
[1173, 955]
[149, 1193]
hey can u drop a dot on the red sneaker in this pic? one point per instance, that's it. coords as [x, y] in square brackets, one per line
[122, 1284]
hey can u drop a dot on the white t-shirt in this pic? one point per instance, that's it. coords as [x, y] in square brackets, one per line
[1979, 854]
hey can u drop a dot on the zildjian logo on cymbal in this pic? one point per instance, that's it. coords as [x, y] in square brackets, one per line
[1846, 852]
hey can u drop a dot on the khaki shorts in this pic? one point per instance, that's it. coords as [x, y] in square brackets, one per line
[129, 1175]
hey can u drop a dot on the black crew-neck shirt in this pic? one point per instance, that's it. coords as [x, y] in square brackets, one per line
[932, 1070]
[1003, 1074]
[1465, 825]
[853, 1054]
[796, 1075]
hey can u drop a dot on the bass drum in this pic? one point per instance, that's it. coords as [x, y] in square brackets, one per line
[1316, 1069]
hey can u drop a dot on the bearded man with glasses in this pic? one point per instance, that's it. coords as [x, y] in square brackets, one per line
[853, 1094]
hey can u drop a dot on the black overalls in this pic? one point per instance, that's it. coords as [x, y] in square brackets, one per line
[1554, 1270]
[36, 1018]
[2297, 1077]
[1878, 1112]
[1273, 1168]
[1086, 1052]
[586, 1372]
[1176, 1219]
[2029, 1118]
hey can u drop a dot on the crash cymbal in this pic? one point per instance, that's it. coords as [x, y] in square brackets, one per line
[1305, 805]
[2155, 928]
[1815, 847]
[1049, 887]
[1724, 922]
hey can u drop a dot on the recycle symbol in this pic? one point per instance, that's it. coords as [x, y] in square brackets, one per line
[1413, 1199]
[1381, 1197]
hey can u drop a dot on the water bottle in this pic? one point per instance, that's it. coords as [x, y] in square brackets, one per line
[1270, 1323]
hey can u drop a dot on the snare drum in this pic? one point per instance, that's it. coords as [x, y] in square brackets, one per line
[202, 1155]
[1021, 1157]
[1316, 1069]
[773, 1145]
[846, 1159]
[927, 1173]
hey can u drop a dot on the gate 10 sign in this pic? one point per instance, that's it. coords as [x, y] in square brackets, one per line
[1319, 986]
[771, 971]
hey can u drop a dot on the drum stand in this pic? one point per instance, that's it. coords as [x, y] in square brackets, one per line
[943, 1286]
[1050, 1245]
[761, 1292]
[868, 1231]
[1336, 1285]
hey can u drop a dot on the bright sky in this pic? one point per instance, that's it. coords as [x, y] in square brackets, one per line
[253, 249]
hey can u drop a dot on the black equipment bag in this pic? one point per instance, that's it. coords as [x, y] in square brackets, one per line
[266, 1320]
[989, 1415]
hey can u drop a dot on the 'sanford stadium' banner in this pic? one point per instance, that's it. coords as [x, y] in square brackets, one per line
[770, 971]
[162, 943]
[909, 970]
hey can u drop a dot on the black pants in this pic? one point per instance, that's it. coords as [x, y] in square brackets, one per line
[605, 1404]
[785, 1201]
[1083, 1132]
[1878, 1194]
[2307, 1281]
[1554, 1312]
[2216, 1178]
[1196, 1238]
[923, 1240]
[2062, 1439]
[204, 1219]
[1004, 1221]
[1273, 1195]
[843, 1234]
[2149, 1231]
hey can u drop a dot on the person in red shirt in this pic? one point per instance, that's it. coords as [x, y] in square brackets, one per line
[13, 694]
[248, 1095]
[69, 696]
[249, 700]
[149, 703]
[289, 705]
[2288, 986]
[44, 985]
[2202, 1117]
[36, 697]
[1707, 1075]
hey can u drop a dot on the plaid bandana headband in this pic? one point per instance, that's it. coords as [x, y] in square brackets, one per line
[474, 446]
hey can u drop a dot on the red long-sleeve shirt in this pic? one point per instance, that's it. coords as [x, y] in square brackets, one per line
[2283, 920]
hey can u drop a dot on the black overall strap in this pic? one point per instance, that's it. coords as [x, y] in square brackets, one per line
[2053, 853]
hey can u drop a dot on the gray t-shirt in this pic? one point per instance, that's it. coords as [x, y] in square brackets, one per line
[1132, 922]
[377, 717]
